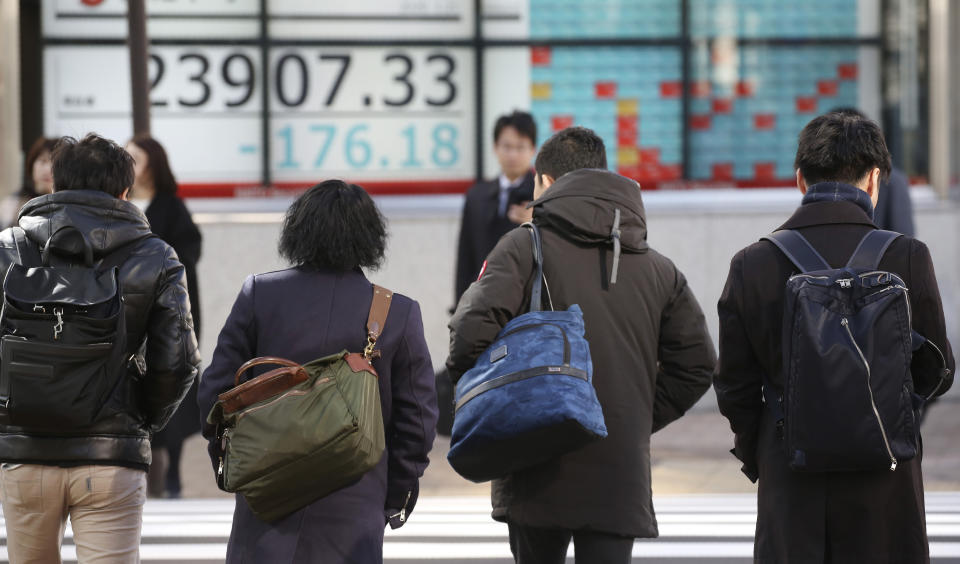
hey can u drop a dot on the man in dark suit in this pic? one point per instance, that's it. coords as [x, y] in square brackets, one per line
[875, 516]
[494, 207]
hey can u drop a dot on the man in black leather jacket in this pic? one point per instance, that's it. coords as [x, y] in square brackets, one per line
[97, 474]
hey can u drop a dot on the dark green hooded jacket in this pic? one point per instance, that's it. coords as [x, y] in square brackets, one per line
[652, 355]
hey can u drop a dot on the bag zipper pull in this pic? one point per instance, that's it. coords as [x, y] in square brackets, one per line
[58, 328]
[402, 514]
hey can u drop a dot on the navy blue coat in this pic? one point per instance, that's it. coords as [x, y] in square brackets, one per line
[302, 314]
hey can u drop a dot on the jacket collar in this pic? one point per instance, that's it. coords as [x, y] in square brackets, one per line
[838, 191]
[827, 213]
[106, 221]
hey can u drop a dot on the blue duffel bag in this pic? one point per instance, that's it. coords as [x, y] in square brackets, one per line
[530, 397]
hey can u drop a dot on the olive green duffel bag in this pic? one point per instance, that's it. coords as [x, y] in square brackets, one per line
[298, 433]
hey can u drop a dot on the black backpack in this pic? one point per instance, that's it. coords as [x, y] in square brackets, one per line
[62, 335]
[848, 402]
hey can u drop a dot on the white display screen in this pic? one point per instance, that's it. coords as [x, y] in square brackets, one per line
[401, 117]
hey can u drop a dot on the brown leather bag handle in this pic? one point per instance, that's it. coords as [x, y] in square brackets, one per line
[379, 308]
[260, 361]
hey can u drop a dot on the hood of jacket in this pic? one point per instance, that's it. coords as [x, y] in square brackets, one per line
[582, 206]
[106, 222]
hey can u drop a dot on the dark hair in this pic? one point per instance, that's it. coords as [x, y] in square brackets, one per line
[42, 144]
[841, 146]
[521, 121]
[157, 162]
[848, 110]
[571, 149]
[336, 226]
[93, 163]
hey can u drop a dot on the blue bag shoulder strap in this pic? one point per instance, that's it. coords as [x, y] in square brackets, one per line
[798, 250]
[28, 253]
[871, 249]
[536, 292]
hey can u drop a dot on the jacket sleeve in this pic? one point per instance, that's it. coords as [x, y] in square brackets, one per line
[235, 345]
[185, 236]
[172, 358]
[467, 266]
[899, 207]
[496, 298]
[188, 242]
[686, 356]
[739, 378]
[928, 320]
[413, 423]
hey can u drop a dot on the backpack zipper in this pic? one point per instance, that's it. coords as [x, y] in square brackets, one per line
[873, 404]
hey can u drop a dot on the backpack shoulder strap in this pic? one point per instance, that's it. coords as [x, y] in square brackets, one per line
[379, 308]
[871, 249]
[800, 252]
[28, 253]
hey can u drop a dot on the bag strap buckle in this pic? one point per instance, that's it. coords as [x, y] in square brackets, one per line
[369, 352]
[379, 308]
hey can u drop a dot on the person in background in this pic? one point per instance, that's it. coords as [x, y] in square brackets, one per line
[894, 210]
[37, 179]
[171, 221]
[496, 206]
[315, 308]
[491, 208]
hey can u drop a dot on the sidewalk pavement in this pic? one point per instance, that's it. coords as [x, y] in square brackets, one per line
[690, 456]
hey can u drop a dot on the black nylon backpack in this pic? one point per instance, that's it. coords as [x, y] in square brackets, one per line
[848, 402]
[62, 335]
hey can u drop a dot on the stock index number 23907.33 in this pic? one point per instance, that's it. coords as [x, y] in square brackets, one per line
[307, 79]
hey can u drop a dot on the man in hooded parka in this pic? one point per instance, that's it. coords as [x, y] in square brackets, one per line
[652, 355]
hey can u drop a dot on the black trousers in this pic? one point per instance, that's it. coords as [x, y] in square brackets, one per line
[531, 545]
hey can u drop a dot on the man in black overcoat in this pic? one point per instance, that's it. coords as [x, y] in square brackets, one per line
[875, 517]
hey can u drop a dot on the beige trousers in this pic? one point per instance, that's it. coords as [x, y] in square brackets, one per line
[104, 503]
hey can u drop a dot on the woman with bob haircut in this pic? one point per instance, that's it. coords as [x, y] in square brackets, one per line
[318, 307]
